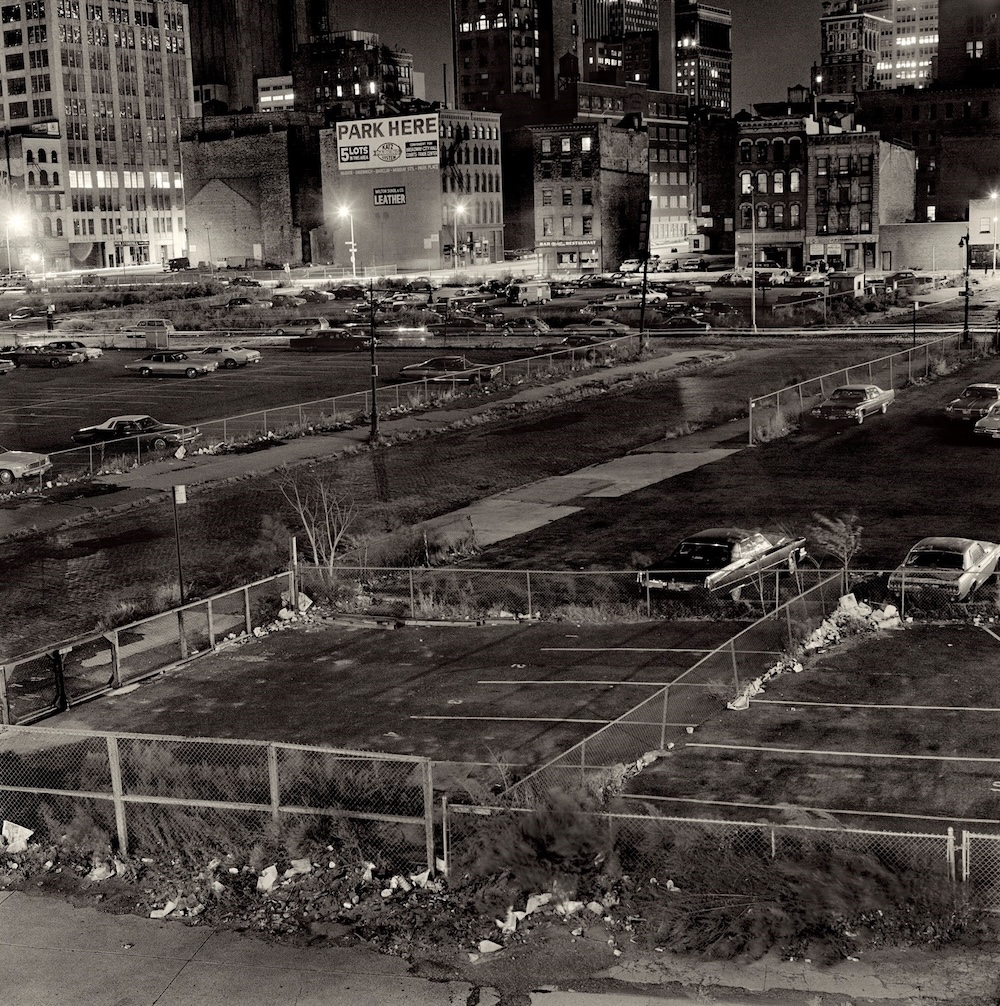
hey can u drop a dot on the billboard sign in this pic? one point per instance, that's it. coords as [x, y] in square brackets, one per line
[400, 141]
[391, 195]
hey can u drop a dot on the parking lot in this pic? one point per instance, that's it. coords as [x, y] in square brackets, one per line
[40, 408]
[509, 694]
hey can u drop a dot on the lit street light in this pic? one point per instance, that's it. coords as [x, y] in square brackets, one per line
[345, 212]
[459, 211]
[16, 221]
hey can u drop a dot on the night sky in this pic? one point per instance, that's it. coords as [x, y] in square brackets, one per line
[775, 42]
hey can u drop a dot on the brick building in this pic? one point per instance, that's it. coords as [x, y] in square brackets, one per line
[253, 187]
[590, 182]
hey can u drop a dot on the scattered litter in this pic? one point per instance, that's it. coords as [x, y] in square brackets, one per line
[15, 836]
[519, 665]
[576, 932]
[162, 913]
[535, 901]
[455, 702]
[366, 876]
[127, 946]
[568, 907]
[124, 690]
[218, 887]
[100, 872]
[509, 924]
[267, 878]
[298, 866]
[596, 907]
[489, 947]
[420, 879]
[617, 953]
[391, 733]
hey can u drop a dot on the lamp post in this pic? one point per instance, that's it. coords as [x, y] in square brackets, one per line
[372, 342]
[993, 196]
[753, 254]
[17, 220]
[459, 211]
[345, 212]
[964, 242]
[208, 238]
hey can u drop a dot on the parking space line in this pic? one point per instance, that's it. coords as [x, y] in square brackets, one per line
[516, 719]
[502, 681]
[640, 649]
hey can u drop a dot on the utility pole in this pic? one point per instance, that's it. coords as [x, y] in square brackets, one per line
[968, 268]
[373, 434]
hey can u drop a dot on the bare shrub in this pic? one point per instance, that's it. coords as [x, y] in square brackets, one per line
[839, 537]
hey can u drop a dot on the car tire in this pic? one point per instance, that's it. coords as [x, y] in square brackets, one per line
[54, 363]
[861, 418]
[279, 331]
[159, 444]
[793, 564]
[6, 477]
[230, 364]
[524, 303]
[885, 409]
[190, 372]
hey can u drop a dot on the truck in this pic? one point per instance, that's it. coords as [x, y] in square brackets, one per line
[529, 293]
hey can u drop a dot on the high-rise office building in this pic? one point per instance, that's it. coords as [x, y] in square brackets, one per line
[237, 41]
[92, 94]
[850, 48]
[704, 65]
[969, 46]
[908, 41]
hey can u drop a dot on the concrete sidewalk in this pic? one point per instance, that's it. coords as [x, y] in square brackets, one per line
[41, 512]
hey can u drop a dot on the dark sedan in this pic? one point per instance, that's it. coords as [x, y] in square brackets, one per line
[146, 430]
[330, 341]
[38, 356]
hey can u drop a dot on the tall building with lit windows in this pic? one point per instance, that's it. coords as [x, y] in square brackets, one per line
[850, 48]
[908, 41]
[92, 96]
[704, 62]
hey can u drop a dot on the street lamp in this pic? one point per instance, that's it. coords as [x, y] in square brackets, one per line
[345, 212]
[753, 253]
[459, 211]
[993, 196]
[17, 221]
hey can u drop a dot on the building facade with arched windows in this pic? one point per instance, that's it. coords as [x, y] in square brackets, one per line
[416, 200]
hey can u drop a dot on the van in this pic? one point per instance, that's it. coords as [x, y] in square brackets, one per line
[529, 293]
[177, 264]
[156, 332]
[154, 325]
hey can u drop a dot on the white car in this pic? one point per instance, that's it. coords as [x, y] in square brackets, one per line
[231, 357]
[75, 346]
[955, 568]
[21, 465]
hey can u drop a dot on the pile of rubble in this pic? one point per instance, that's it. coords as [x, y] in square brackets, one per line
[850, 618]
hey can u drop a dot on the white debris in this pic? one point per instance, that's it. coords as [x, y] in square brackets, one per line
[100, 872]
[489, 947]
[16, 836]
[568, 907]
[298, 866]
[535, 901]
[596, 907]
[267, 878]
[162, 913]
[366, 876]
[509, 924]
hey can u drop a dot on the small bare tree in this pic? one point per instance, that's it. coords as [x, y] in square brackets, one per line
[838, 536]
[325, 513]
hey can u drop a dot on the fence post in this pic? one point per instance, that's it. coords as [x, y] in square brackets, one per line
[909, 366]
[445, 836]
[248, 628]
[870, 378]
[264, 420]
[273, 783]
[736, 673]
[427, 778]
[892, 382]
[663, 717]
[181, 637]
[583, 762]
[950, 853]
[413, 605]
[774, 844]
[649, 599]
[115, 767]
[294, 571]
[750, 415]
[527, 585]
[802, 404]
[4, 707]
[211, 625]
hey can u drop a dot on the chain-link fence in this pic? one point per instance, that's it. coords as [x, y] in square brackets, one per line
[654, 846]
[64, 674]
[770, 414]
[467, 594]
[326, 413]
[981, 866]
[599, 763]
[184, 795]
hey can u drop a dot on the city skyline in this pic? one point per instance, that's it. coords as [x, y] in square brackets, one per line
[754, 78]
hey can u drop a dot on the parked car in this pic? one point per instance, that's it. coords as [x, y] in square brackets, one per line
[231, 356]
[167, 364]
[737, 278]
[6, 366]
[40, 356]
[153, 326]
[491, 315]
[596, 281]
[235, 303]
[449, 368]
[146, 430]
[465, 323]
[332, 340]
[24, 313]
[349, 293]
[243, 281]
[620, 300]
[687, 289]
[21, 465]
[526, 326]
[694, 265]
[989, 425]
[630, 265]
[685, 321]
[564, 290]
[855, 401]
[720, 308]
[973, 403]
[303, 326]
[954, 567]
[722, 557]
[577, 344]
[287, 300]
[608, 325]
[75, 346]
[313, 296]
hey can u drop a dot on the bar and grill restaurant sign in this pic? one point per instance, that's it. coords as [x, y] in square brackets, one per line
[400, 141]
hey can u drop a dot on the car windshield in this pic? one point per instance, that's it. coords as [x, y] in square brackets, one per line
[704, 553]
[146, 423]
[848, 394]
[933, 558]
[979, 392]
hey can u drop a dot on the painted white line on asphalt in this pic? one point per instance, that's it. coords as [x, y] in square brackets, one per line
[516, 719]
[842, 754]
[876, 705]
[502, 681]
[639, 649]
[991, 632]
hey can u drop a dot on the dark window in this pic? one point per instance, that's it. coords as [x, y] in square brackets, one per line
[12, 38]
[915, 112]
[10, 12]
